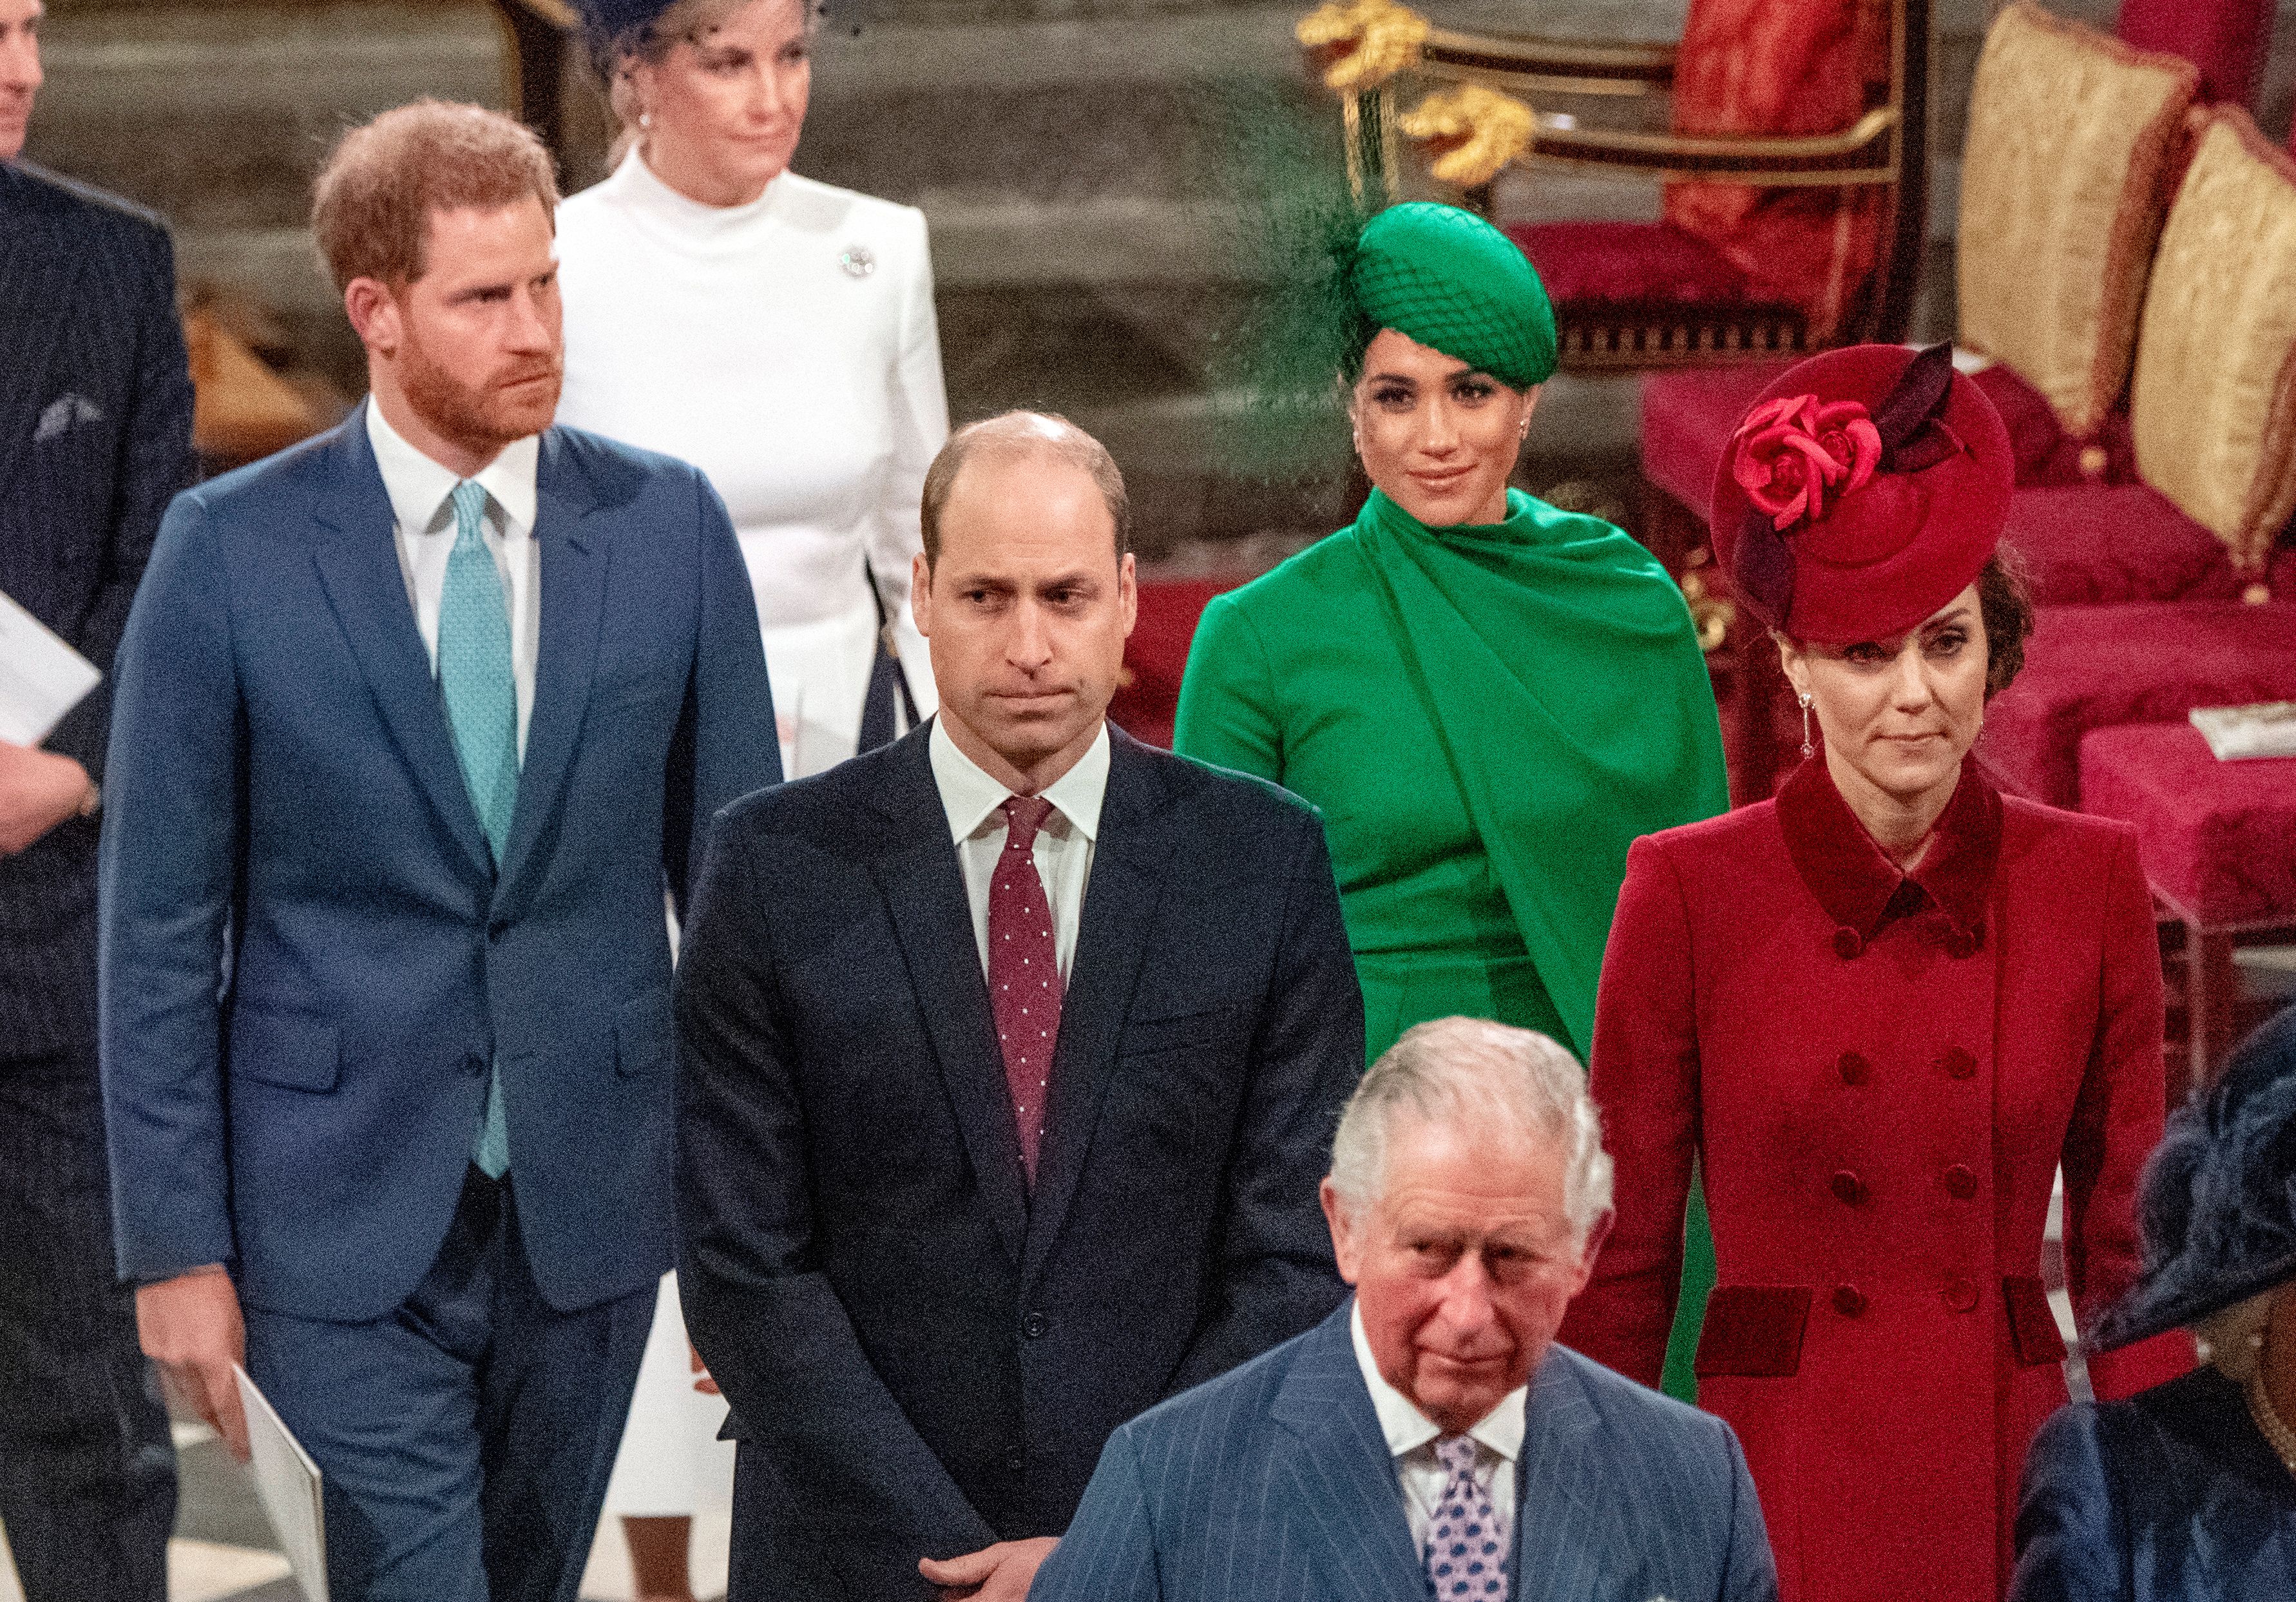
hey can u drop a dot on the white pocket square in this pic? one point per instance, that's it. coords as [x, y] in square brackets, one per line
[62, 413]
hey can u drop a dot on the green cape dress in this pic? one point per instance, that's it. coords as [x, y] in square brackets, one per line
[1487, 717]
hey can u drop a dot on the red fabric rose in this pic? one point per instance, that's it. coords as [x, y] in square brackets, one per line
[1791, 452]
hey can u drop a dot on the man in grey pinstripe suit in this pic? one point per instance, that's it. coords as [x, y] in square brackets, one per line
[96, 436]
[1429, 1439]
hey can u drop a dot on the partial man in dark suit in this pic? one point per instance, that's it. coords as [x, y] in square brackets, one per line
[1010, 1054]
[1429, 1439]
[96, 436]
[413, 720]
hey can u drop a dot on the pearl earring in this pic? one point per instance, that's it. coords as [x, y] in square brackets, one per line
[646, 119]
[1807, 748]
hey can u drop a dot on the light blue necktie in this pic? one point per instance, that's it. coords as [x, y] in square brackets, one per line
[475, 674]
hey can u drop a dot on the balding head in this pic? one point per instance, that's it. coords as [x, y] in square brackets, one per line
[1015, 434]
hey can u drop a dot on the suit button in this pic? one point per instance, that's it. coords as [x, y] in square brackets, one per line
[1959, 1294]
[475, 1064]
[1960, 1183]
[1015, 1460]
[1035, 1325]
[1848, 1187]
[1849, 1301]
[1958, 1064]
[1847, 943]
[1854, 1068]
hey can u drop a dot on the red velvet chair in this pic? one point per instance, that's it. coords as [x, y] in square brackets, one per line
[2226, 39]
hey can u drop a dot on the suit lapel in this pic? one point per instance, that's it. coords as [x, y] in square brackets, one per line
[1120, 905]
[1333, 1459]
[1567, 1540]
[923, 887]
[573, 562]
[38, 271]
[358, 567]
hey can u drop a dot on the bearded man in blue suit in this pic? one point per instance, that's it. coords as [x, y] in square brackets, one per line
[1429, 1439]
[411, 723]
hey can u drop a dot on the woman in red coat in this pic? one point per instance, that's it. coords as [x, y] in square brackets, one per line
[1881, 1010]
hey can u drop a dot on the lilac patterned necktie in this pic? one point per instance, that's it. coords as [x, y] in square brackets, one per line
[1464, 1555]
[1024, 974]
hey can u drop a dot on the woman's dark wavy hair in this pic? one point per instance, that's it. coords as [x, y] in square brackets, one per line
[2005, 600]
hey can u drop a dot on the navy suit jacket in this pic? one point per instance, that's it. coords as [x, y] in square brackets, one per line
[1273, 1483]
[922, 1356]
[96, 438]
[2171, 1496]
[307, 956]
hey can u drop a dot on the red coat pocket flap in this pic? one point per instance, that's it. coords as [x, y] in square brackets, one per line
[2032, 1325]
[1754, 1331]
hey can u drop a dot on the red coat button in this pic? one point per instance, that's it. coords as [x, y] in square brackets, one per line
[1848, 1187]
[1855, 1070]
[1960, 1183]
[1959, 1294]
[1847, 943]
[1958, 1064]
[1849, 1301]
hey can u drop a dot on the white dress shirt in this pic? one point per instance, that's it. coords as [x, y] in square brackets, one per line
[419, 489]
[1411, 1437]
[1063, 846]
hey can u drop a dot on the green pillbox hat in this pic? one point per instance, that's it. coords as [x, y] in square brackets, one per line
[1450, 281]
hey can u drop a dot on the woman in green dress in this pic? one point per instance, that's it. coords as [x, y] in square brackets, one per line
[1488, 698]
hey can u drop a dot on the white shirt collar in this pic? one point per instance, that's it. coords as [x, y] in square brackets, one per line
[418, 487]
[1408, 1429]
[970, 795]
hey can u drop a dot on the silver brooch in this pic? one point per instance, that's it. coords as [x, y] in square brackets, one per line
[858, 261]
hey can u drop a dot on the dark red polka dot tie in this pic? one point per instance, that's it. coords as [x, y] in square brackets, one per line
[1024, 972]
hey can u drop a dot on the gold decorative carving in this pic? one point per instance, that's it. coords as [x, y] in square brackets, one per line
[1471, 131]
[1362, 45]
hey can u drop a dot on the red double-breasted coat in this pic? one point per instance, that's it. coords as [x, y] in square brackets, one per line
[1880, 1073]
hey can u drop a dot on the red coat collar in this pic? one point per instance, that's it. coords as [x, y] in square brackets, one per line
[1857, 882]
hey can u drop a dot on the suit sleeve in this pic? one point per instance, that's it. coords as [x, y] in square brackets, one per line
[1644, 1079]
[762, 1313]
[1227, 712]
[725, 745]
[1752, 1573]
[168, 875]
[155, 463]
[1109, 1554]
[918, 401]
[2070, 1546]
[2116, 1123]
[1276, 1272]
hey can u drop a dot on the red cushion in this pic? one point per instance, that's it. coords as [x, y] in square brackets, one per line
[1641, 264]
[2225, 39]
[1149, 695]
[2094, 547]
[1687, 422]
[2097, 666]
[2218, 839]
[2044, 453]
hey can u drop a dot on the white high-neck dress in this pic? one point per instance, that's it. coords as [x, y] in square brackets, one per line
[788, 348]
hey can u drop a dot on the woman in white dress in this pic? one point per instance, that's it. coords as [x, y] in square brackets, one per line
[779, 334]
[776, 332]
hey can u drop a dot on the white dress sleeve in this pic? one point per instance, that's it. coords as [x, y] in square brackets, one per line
[920, 418]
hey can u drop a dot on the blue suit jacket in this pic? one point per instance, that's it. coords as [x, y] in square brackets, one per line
[307, 959]
[2170, 1496]
[96, 438]
[1273, 1483]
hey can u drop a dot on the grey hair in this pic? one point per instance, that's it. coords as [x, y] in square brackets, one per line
[1472, 1073]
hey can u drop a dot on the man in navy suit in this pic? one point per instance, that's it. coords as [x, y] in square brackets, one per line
[1430, 1439]
[1010, 1052]
[411, 721]
[95, 436]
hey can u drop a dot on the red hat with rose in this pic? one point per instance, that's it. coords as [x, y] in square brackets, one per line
[1864, 490]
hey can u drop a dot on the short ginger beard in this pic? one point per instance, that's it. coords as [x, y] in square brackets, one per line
[484, 418]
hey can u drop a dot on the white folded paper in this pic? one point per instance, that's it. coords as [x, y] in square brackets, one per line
[41, 678]
[287, 1484]
[2267, 729]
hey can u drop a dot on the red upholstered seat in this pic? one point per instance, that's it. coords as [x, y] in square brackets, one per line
[2099, 667]
[2127, 542]
[2218, 839]
[2045, 454]
[1637, 266]
[2225, 39]
[1688, 421]
[1149, 696]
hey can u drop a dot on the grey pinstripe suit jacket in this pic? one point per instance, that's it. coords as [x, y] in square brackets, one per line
[1272, 1484]
[95, 439]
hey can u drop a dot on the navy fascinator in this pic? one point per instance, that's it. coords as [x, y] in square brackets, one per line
[2218, 1202]
[607, 21]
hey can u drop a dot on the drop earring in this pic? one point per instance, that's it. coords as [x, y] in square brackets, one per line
[1807, 748]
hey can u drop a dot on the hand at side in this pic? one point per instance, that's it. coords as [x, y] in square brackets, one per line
[38, 790]
[190, 1325]
[997, 1573]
